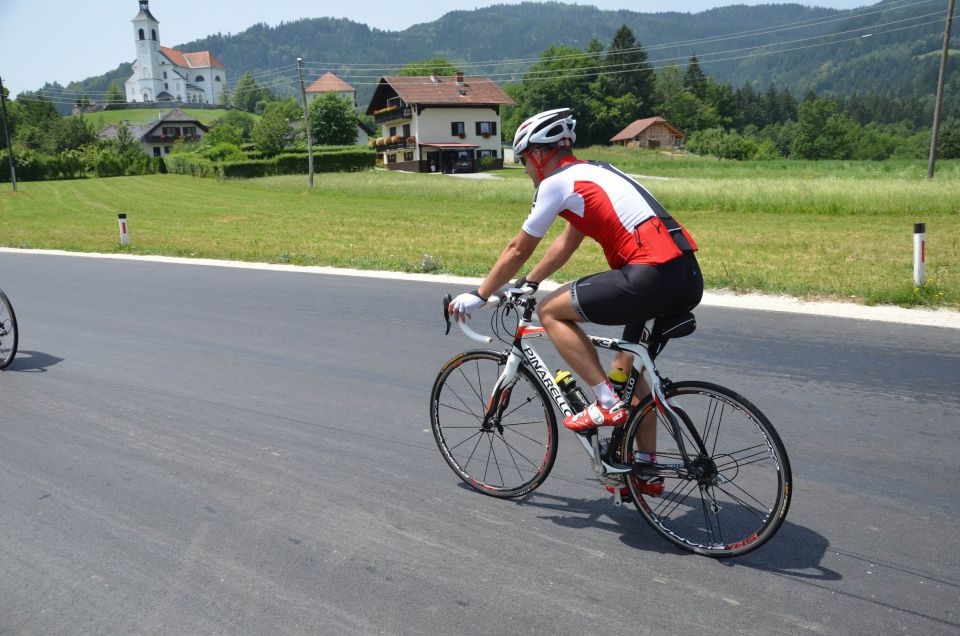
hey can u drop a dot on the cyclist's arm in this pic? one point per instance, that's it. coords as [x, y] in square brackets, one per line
[514, 255]
[559, 252]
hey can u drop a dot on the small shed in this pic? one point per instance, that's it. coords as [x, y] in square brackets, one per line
[652, 132]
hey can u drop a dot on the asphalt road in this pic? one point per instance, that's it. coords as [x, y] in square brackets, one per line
[189, 449]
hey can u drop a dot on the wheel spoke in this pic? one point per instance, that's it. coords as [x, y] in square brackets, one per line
[760, 504]
[518, 451]
[732, 518]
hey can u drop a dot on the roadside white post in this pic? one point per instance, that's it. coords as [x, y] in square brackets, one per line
[124, 236]
[919, 254]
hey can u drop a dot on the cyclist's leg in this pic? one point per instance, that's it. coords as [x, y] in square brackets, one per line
[559, 317]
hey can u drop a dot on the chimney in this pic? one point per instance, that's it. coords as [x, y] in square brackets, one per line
[460, 77]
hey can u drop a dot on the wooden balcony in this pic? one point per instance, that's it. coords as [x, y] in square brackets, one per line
[392, 113]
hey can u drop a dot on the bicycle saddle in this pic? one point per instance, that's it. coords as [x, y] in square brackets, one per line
[659, 330]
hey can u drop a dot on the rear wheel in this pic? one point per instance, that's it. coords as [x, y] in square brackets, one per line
[742, 492]
[512, 453]
[8, 332]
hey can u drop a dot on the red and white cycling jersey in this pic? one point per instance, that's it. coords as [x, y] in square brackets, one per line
[612, 209]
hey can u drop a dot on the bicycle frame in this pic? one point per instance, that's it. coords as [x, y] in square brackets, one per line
[522, 352]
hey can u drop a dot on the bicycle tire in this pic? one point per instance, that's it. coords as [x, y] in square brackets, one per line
[749, 489]
[507, 462]
[8, 332]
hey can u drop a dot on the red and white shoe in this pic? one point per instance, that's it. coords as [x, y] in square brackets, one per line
[652, 487]
[595, 415]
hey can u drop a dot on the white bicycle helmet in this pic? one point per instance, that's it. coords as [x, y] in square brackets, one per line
[551, 127]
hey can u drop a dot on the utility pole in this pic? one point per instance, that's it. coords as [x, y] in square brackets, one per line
[6, 135]
[306, 118]
[940, 81]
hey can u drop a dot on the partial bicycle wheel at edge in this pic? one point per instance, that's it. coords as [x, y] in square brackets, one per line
[743, 496]
[514, 455]
[8, 332]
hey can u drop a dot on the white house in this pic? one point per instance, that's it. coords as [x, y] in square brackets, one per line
[438, 124]
[330, 83]
[157, 138]
[161, 74]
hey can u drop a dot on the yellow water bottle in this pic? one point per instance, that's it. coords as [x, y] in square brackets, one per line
[618, 378]
[573, 393]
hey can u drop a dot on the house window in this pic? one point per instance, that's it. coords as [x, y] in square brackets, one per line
[156, 151]
[392, 158]
[189, 131]
[457, 129]
[199, 78]
[141, 35]
[406, 130]
[146, 98]
[408, 156]
[164, 75]
[393, 130]
[487, 153]
[153, 34]
[486, 128]
[166, 150]
[166, 86]
[217, 78]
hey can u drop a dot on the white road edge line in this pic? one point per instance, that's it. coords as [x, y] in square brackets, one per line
[786, 304]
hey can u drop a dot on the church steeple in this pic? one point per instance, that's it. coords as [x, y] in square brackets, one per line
[145, 11]
[146, 33]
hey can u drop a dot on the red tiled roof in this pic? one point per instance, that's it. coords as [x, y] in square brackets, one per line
[640, 125]
[329, 83]
[446, 90]
[200, 59]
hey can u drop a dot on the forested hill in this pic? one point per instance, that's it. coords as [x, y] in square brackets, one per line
[817, 49]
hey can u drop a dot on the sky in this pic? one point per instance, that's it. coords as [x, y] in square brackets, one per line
[71, 40]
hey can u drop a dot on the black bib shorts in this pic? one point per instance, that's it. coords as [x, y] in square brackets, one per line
[634, 294]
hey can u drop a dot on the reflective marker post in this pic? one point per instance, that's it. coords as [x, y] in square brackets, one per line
[919, 254]
[124, 237]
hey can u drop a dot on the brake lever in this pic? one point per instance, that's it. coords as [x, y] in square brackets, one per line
[447, 299]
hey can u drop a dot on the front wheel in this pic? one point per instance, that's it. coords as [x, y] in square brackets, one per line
[738, 494]
[8, 332]
[507, 455]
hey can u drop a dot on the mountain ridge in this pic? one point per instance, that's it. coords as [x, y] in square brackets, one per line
[900, 62]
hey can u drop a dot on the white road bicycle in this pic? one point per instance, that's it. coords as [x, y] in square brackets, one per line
[726, 472]
[8, 332]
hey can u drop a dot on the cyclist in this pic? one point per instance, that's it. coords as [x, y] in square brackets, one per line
[653, 270]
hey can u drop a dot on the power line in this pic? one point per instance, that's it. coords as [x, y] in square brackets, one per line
[707, 57]
[702, 41]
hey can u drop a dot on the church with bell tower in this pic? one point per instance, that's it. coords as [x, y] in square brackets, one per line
[162, 74]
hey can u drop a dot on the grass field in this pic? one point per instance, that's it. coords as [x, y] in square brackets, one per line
[148, 115]
[812, 236]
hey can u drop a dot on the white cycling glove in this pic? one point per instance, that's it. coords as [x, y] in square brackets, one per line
[465, 304]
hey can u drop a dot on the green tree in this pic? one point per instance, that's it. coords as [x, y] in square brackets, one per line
[629, 73]
[244, 122]
[435, 65]
[222, 132]
[823, 132]
[247, 94]
[333, 121]
[948, 140]
[70, 133]
[272, 133]
[695, 80]
[681, 107]
[560, 78]
[114, 94]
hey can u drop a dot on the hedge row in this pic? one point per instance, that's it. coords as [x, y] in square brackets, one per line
[34, 166]
[336, 161]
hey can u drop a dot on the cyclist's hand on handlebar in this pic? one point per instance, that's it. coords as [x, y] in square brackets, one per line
[464, 305]
[522, 282]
